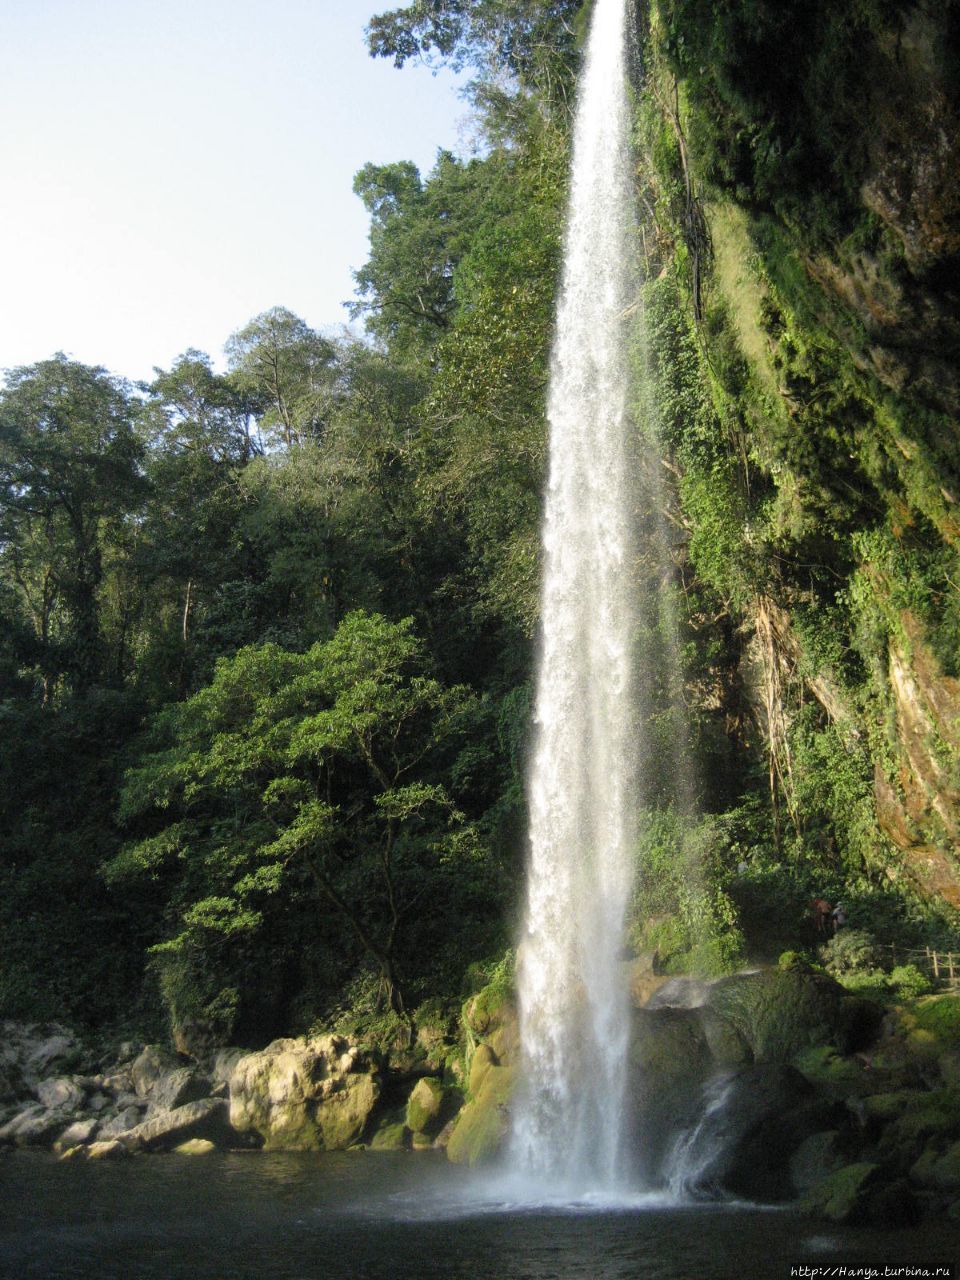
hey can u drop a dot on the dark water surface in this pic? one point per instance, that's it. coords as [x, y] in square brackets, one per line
[393, 1217]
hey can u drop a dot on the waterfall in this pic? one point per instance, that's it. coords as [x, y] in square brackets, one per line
[573, 1001]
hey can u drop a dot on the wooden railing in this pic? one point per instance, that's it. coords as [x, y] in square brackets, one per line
[942, 966]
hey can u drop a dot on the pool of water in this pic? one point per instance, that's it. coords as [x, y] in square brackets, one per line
[367, 1216]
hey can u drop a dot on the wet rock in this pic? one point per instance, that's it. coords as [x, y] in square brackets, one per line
[781, 1012]
[425, 1107]
[670, 1065]
[892, 1204]
[491, 1017]
[744, 1144]
[726, 1044]
[483, 1058]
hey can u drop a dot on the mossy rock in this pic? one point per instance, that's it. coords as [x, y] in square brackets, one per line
[781, 1012]
[727, 1046]
[924, 1032]
[939, 1016]
[483, 1124]
[887, 1106]
[949, 1067]
[842, 1196]
[816, 1158]
[825, 1066]
[668, 1046]
[934, 1119]
[891, 1204]
[491, 1016]
[195, 1147]
[343, 1116]
[485, 1012]
[390, 1137]
[425, 1107]
[938, 1169]
[483, 1059]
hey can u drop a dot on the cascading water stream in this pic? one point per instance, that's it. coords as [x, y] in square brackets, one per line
[573, 1002]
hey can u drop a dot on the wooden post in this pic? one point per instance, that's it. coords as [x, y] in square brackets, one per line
[936, 966]
[950, 967]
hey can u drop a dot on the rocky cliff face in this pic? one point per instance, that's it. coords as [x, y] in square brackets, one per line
[805, 290]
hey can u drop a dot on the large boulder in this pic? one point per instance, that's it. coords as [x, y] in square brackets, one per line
[744, 1140]
[208, 1118]
[670, 1066]
[816, 1157]
[484, 1123]
[151, 1065]
[781, 1012]
[178, 1087]
[35, 1126]
[61, 1092]
[77, 1134]
[490, 1017]
[305, 1094]
[842, 1196]
[426, 1108]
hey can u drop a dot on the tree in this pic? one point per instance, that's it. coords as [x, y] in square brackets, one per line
[69, 475]
[295, 771]
[419, 230]
[521, 37]
[199, 431]
[289, 369]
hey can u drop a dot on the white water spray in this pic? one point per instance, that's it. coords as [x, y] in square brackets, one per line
[573, 1002]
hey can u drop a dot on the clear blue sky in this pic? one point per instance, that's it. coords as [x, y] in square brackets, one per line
[171, 168]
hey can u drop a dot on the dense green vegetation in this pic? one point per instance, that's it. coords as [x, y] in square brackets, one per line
[266, 637]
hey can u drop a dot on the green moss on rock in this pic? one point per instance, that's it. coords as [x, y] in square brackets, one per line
[780, 1013]
[841, 1196]
[484, 1122]
[425, 1107]
[390, 1137]
[938, 1169]
[815, 1158]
